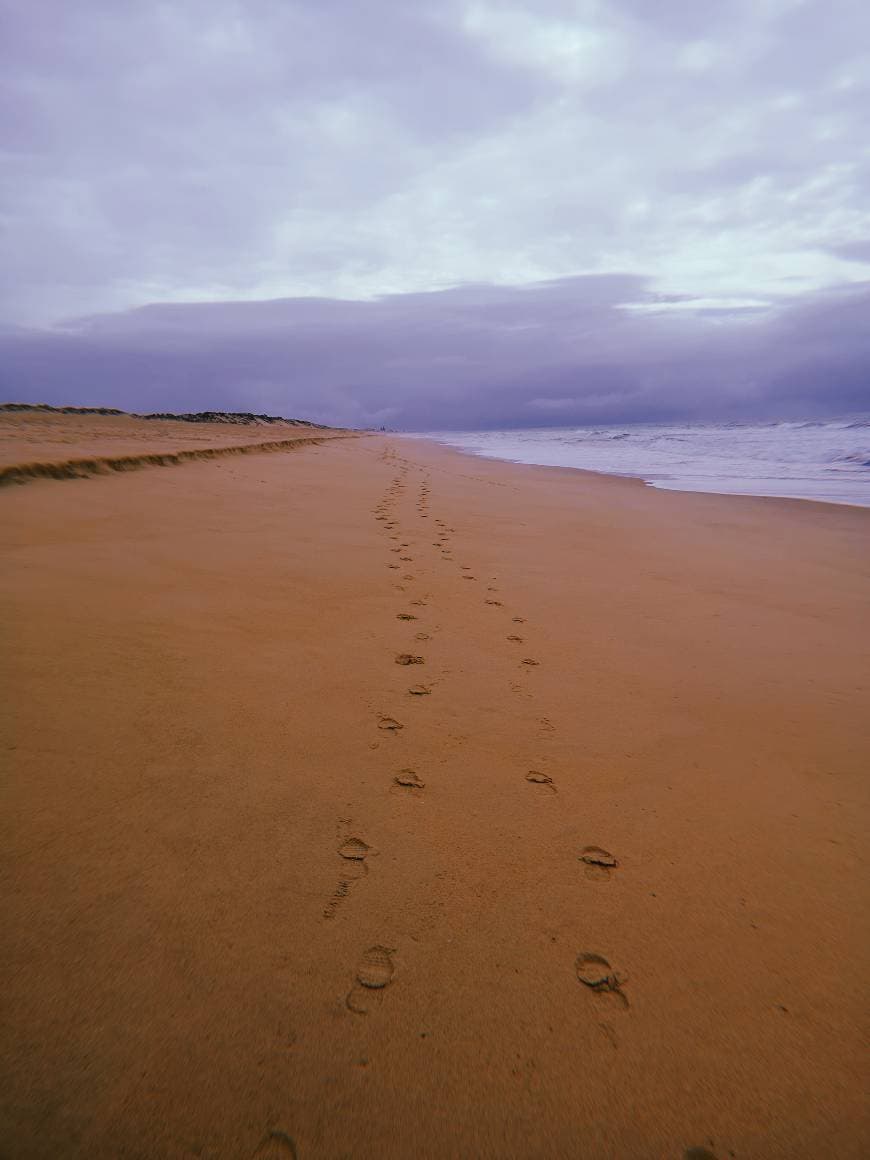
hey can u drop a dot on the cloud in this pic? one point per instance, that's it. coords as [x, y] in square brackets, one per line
[858, 251]
[226, 150]
[469, 212]
[571, 350]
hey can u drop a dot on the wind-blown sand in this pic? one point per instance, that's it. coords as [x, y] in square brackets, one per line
[231, 932]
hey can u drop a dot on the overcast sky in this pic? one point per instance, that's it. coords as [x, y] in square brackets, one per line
[450, 213]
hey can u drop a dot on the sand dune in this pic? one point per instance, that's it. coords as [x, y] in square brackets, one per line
[52, 444]
[376, 801]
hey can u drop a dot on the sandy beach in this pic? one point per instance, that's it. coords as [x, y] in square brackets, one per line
[371, 800]
[48, 444]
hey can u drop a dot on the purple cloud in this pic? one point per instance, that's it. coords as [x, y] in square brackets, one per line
[589, 349]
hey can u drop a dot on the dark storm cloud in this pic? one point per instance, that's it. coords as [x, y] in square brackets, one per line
[574, 350]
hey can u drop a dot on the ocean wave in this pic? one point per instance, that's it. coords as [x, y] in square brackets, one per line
[805, 459]
[860, 458]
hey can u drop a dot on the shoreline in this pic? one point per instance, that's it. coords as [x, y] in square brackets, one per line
[384, 800]
[649, 480]
[637, 480]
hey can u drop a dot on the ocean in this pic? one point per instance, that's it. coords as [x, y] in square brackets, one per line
[825, 460]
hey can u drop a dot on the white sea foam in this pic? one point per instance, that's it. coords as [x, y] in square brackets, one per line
[822, 460]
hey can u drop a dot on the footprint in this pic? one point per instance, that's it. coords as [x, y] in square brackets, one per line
[354, 849]
[406, 559]
[392, 565]
[276, 1146]
[374, 973]
[419, 690]
[419, 603]
[496, 602]
[376, 968]
[595, 972]
[405, 616]
[539, 778]
[408, 779]
[517, 639]
[407, 577]
[698, 1154]
[409, 659]
[389, 724]
[469, 577]
[529, 661]
[422, 636]
[599, 862]
[518, 619]
[340, 892]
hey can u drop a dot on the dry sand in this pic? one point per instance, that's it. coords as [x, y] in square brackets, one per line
[37, 436]
[230, 932]
[40, 444]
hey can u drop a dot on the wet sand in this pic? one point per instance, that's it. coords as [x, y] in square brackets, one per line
[371, 800]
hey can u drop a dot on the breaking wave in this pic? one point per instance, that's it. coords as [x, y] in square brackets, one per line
[825, 460]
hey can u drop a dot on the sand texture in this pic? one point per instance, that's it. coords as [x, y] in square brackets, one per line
[40, 445]
[374, 801]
